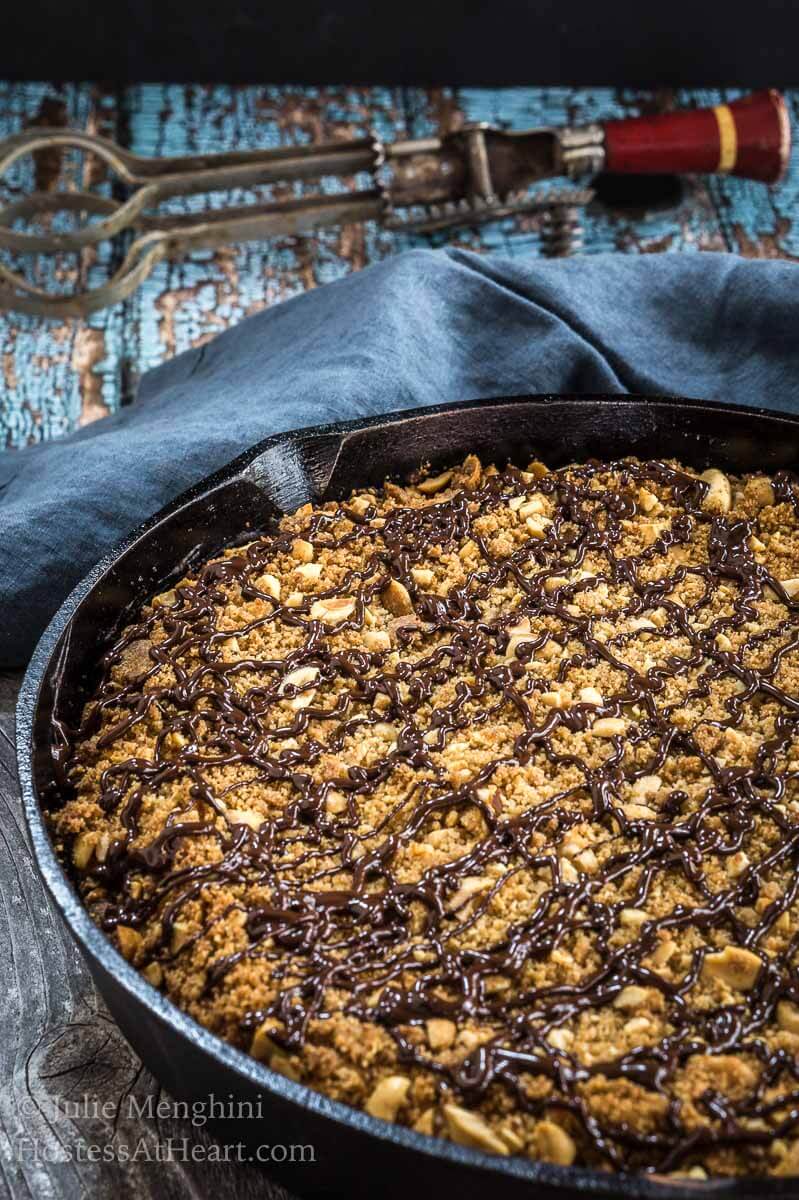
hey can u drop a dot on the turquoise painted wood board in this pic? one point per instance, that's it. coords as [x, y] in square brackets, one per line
[55, 376]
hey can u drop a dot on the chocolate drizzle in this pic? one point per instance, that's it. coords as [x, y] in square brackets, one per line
[358, 939]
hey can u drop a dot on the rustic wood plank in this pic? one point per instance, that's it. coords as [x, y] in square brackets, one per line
[184, 304]
[53, 376]
[56, 374]
[59, 1042]
[693, 224]
[70, 1080]
[756, 221]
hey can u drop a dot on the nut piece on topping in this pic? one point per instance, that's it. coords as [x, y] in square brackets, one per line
[788, 1016]
[388, 1097]
[538, 527]
[519, 627]
[360, 505]
[514, 642]
[647, 501]
[760, 491]
[181, 936]
[554, 1144]
[634, 918]
[396, 598]
[309, 571]
[651, 531]
[265, 1050]
[102, 847]
[719, 493]
[430, 486]
[735, 966]
[130, 941]
[333, 610]
[662, 953]
[561, 1039]
[153, 973]
[531, 507]
[587, 861]
[245, 816]
[468, 1129]
[568, 872]
[268, 584]
[631, 998]
[737, 863]
[607, 727]
[469, 474]
[336, 802]
[639, 812]
[262, 1047]
[376, 640]
[165, 600]
[647, 785]
[83, 849]
[440, 1033]
[299, 677]
[426, 1122]
[470, 886]
[422, 576]
[302, 550]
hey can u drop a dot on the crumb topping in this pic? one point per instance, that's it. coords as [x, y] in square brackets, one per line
[475, 803]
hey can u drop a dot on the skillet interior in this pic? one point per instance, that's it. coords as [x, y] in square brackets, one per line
[352, 1149]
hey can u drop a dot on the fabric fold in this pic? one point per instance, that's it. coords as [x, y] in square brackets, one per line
[419, 329]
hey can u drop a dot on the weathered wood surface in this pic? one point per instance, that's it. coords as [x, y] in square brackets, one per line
[54, 376]
[68, 1079]
[59, 1044]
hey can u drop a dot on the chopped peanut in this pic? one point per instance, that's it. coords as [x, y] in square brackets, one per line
[396, 599]
[468, 1129]
[388, 1097]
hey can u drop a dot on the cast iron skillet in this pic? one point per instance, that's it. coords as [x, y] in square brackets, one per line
[353, 1151]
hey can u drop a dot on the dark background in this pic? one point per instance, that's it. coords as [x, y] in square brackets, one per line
[543, 42]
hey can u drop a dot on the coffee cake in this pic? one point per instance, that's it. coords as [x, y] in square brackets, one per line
[475, 803]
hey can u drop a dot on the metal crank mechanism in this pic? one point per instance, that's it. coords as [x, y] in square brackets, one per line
[476, 174]
[488, 169]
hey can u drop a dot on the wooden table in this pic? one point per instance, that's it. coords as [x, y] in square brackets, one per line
[56, 376]
[59, 1045]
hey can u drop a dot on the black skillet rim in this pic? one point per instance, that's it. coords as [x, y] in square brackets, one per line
[94, 944]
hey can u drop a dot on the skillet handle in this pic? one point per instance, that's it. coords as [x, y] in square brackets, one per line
[296, 469]
[750, 137]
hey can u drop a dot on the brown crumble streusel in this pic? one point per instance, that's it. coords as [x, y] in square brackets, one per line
[475, 803]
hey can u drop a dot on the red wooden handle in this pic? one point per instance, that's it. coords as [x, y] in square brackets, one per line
[749, 137]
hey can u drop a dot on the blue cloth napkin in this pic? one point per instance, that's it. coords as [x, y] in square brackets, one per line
[419, 329]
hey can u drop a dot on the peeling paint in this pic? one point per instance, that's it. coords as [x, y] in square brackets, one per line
[169, 305]
[9, 372]
[767, 245]
[56, 376]
[41, 393]
[51, 113]
[87, 352]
